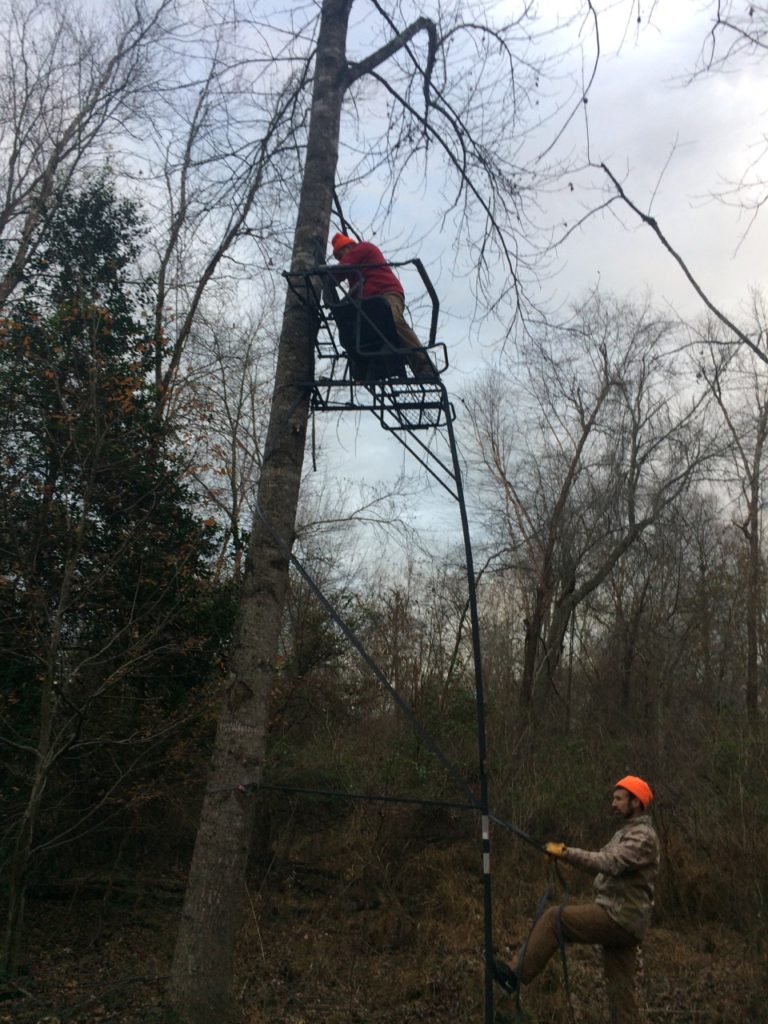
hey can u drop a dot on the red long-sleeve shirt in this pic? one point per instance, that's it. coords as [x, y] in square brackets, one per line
[377, 277]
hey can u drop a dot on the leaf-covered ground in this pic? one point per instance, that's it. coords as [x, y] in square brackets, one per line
[336, 947]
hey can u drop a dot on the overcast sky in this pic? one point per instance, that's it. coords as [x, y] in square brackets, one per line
[673, 145]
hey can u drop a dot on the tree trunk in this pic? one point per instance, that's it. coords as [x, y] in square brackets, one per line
[754, 565]
[753, 590]
[49, 746]
[201, 976]
[533, 630]
[22, 847]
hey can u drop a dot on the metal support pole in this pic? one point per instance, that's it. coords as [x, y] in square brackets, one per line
[480, 705]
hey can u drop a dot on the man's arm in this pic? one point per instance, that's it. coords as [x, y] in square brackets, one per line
[636, 849]
[333, 272]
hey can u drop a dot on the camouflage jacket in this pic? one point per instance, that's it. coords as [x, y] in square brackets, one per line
[625, 871]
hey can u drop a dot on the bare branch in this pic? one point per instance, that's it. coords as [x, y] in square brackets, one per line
[652, 223]
[399, 42]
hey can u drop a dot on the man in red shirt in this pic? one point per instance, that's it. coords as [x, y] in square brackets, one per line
[374, 277]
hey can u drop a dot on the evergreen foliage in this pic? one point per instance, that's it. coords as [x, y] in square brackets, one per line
[108, 615]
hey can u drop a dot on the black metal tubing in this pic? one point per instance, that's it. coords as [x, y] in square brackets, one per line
[430, 291]
[327, 272]
[386, 405]
[399, 403]
[429, 455]
[481, 739]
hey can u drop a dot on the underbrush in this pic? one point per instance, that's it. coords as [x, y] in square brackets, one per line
[337, 940]
[368, 912]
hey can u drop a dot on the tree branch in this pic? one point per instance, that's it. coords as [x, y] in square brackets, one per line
[652, 223]
[398, 42]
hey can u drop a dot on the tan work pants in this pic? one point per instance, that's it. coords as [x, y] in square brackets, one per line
[419, 361]
[588, 923]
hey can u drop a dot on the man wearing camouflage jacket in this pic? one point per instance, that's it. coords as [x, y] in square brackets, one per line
[625, 870]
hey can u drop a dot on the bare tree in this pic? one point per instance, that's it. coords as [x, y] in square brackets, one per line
[432, 107]
[583, 462]
[219, 410]
[644, 630]
[738, 35]
[192, 122]
[67, 87]
[221, 174]
[737, 30]
[741, 392]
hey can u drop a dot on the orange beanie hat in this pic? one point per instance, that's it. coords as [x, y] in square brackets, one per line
[637, 787]
[339, 241]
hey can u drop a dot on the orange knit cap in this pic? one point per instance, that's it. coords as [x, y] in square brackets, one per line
[339, 241]
[637, 787]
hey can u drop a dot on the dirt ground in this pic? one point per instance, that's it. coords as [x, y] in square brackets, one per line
[322, 949]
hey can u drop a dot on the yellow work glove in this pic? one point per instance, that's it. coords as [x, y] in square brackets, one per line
[555, 849]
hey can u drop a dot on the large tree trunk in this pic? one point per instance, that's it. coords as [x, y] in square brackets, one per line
[22, 846]
[754, 564]
[534, 628]
[753, 579]
[201, 976]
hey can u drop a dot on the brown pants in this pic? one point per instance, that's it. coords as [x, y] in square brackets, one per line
[588, 923]
[419, 361]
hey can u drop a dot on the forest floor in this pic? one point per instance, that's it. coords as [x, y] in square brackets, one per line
[320, 947]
